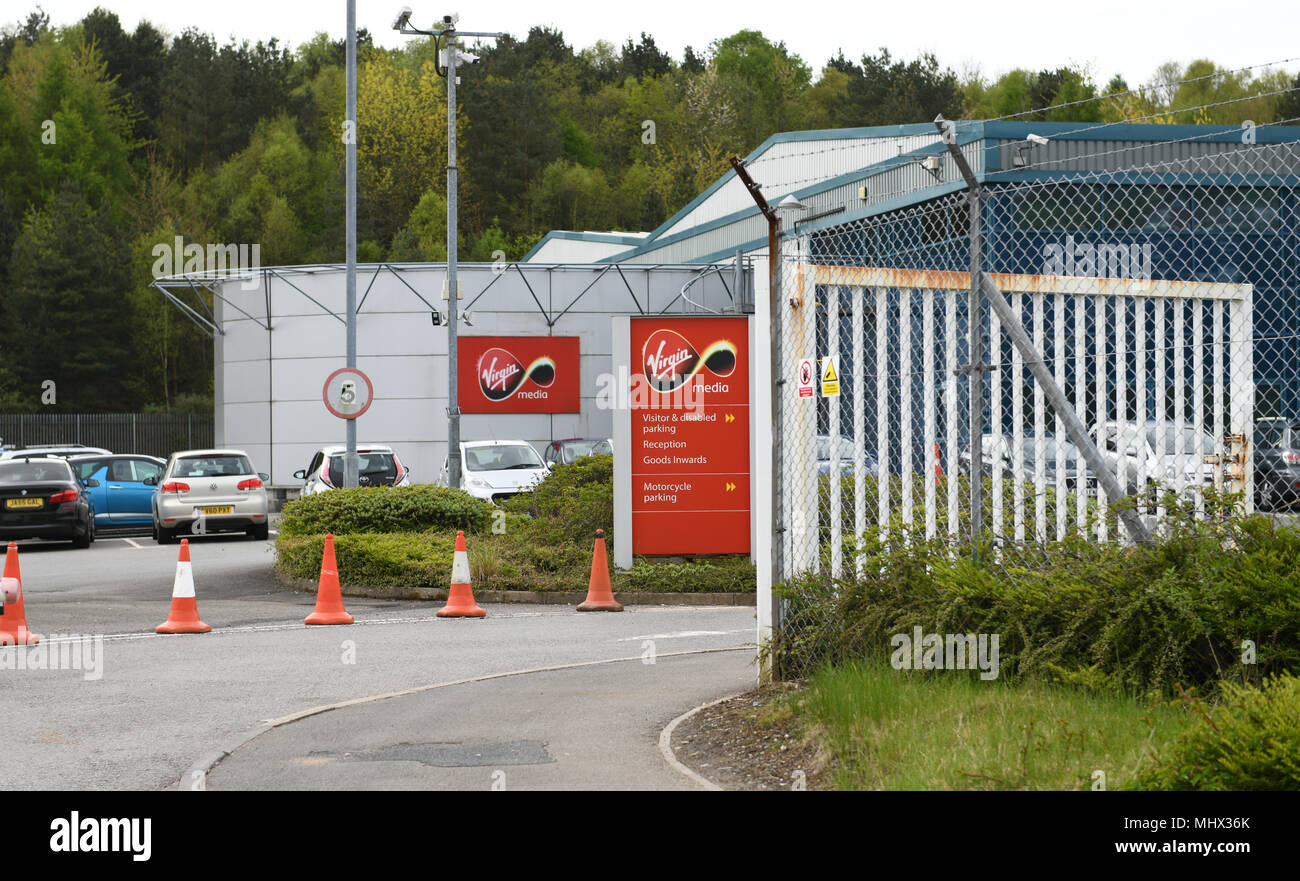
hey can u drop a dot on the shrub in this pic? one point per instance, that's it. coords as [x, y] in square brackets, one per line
[497, 562]
[1100, 615]
[714, 575]
[383, 509]
[572, 503]
[1249, 742]
[388, 560]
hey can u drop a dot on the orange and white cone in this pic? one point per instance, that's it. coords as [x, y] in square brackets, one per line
[600, 597]
[460, 600]
[13, 623]
[184, 617]
[329, 596]
[938, 464]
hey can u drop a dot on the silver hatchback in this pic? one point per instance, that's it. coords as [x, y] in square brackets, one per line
[208, 491]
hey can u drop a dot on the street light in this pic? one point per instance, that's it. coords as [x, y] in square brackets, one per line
[446, 30]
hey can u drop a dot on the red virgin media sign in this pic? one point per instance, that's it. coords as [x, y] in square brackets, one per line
[518, 374]
[689, 402]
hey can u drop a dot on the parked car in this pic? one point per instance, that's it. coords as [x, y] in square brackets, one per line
[207, 491]
[1162, 466]
[999, 447]
[41, 497]
[120, 494]
[1277, 463]
[58, 451]
[496, 470]
[845, 457]
[570, 450]
[377, 465]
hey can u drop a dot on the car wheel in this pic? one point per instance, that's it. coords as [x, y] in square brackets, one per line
[83, 541]
[164, 536]
[259, 533]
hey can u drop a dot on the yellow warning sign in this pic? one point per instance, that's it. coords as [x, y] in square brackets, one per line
[830, 378]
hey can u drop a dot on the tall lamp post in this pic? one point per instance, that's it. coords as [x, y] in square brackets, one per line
[449, 58]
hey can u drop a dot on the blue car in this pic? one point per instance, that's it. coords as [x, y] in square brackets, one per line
[122, 497]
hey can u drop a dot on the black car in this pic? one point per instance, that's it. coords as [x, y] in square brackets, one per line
[42, 498]
[1277, 463]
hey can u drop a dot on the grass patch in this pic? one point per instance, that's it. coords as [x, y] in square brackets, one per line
[891, 729]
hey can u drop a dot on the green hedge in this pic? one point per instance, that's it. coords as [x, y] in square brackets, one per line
[540, 540]
[1251, 741]
[572, 502]
[1097, 615]
[383, 509]
[497, 562]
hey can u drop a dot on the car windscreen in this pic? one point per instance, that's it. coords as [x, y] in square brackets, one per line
[212, 466]
[31, 472]
[501, 458]
[1189, 436]
[572, 451]
[824, 448]
[377, 469]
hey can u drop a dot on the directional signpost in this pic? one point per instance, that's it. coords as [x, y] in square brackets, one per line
[689, 432]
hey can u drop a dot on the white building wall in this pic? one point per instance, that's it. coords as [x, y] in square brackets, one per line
[268, 383]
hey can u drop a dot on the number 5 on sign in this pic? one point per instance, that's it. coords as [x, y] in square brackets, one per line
[830, 377]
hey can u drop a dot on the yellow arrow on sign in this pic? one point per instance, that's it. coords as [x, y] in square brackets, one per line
[729, 486]
[729, 418]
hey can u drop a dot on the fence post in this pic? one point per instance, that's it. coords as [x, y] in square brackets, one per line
[134, 444]
[976, 367]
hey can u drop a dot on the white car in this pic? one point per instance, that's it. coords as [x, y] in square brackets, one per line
[377, 465]
[1195, 464]
[496, 470]
[207, 491]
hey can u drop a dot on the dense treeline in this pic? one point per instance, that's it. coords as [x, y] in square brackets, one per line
[112, 143]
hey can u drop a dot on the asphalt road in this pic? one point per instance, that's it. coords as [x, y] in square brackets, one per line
[157, 705]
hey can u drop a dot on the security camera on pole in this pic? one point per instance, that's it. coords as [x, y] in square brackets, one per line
[449, 58]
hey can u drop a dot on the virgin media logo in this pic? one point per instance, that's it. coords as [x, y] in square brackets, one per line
[500, 373]
[670, 361]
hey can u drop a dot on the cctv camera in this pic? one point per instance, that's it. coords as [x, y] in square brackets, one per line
[450, 20]
[403, 18]
[1037, 139]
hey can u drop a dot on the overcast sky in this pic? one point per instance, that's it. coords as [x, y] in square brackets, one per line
[1130, 37]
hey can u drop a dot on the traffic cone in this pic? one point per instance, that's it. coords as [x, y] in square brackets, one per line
[184, 617]
[460, 601]
[938, 464]
[329, 596]
[600, 597]
[13, 623]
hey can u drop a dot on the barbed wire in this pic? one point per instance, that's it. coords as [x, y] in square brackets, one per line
[789, 185]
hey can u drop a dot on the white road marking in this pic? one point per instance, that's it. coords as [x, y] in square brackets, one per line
[132, 543]
[686, 634]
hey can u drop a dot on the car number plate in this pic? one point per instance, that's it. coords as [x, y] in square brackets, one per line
[218, 509]
[24, 503]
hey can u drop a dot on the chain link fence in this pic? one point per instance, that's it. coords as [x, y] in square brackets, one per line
[1155, 305]
[150, 434]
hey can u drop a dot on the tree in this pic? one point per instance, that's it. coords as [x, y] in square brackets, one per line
[60, 301]
[883, 91]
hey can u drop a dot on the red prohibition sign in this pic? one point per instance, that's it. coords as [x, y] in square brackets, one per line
[370, 392]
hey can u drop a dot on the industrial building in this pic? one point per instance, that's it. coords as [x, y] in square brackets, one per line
[279, 331]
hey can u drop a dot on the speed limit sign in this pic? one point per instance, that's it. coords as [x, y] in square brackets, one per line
[348, 393]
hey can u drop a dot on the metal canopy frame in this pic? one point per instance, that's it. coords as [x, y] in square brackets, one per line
[186, 290]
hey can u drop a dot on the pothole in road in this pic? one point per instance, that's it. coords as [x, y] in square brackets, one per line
[445, 755]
